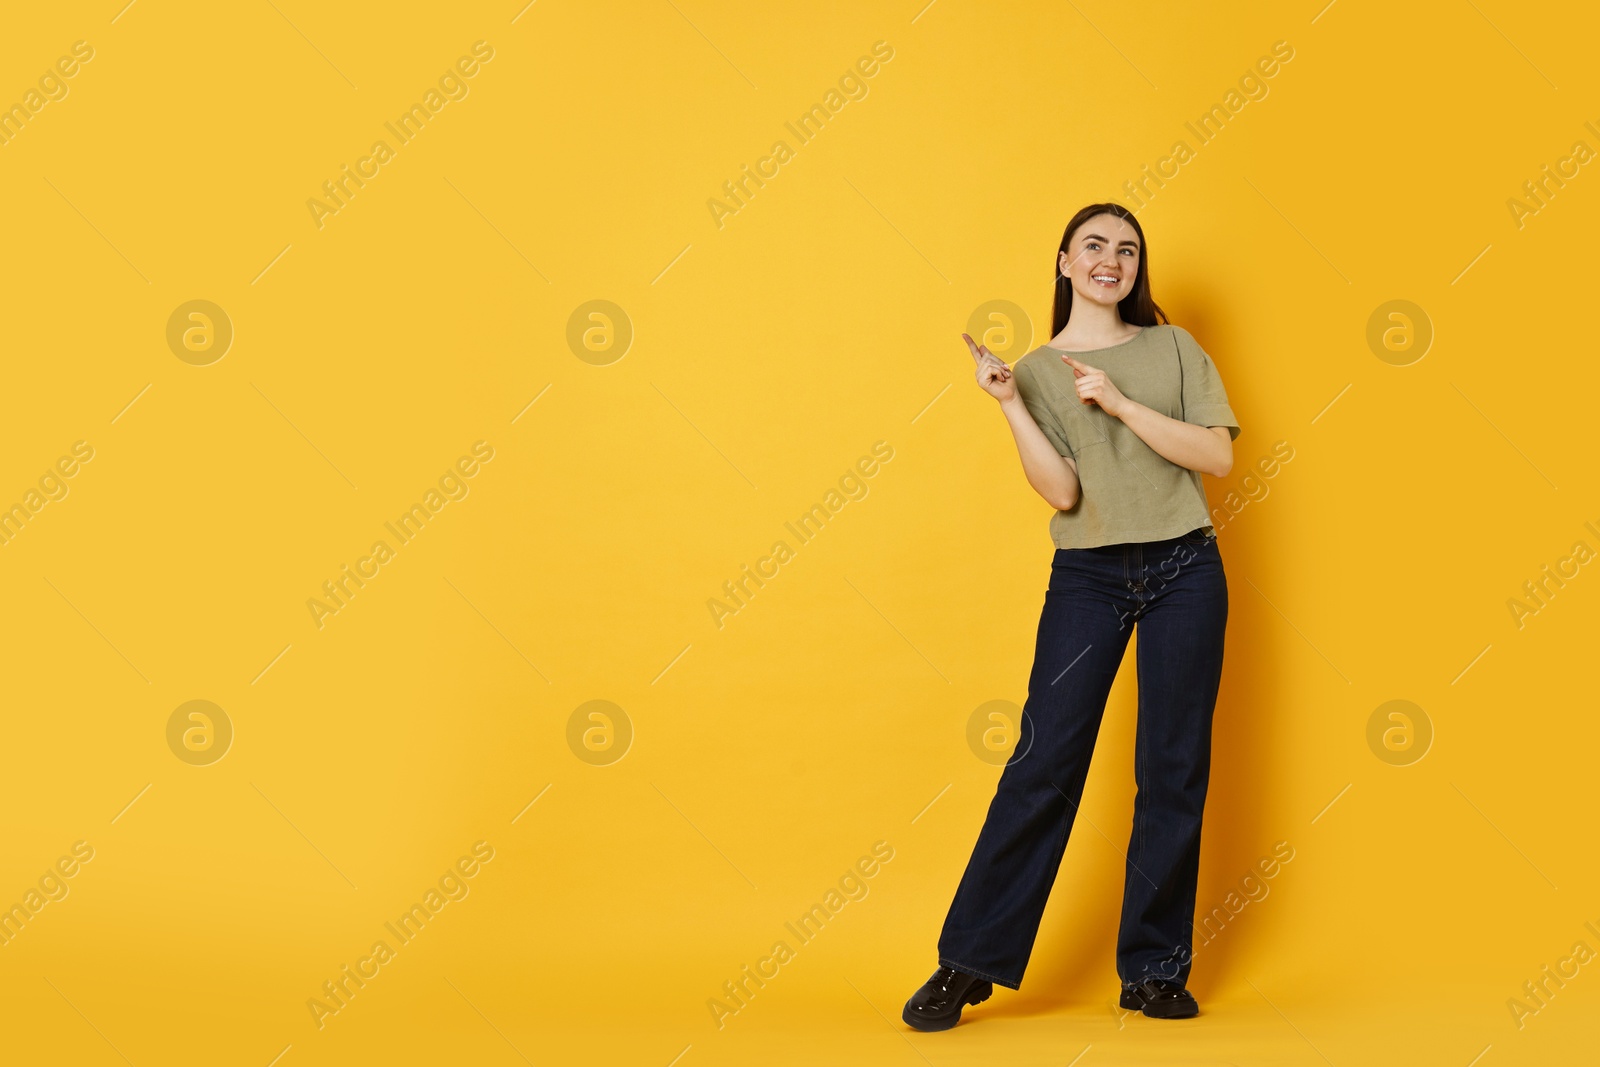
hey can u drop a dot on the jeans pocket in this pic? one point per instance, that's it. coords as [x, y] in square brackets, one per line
[1199, 537]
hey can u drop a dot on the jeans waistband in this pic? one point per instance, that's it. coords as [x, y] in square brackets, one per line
[1168, 542]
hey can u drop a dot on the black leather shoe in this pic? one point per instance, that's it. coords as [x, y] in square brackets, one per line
[1160, 999]
[937, 1005]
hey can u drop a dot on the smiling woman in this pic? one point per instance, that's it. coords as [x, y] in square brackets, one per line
[1115, 420]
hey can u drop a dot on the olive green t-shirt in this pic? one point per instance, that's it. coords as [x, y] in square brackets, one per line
[1129, 491]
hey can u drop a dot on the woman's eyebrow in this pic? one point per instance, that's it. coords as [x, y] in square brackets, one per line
[1098, 237]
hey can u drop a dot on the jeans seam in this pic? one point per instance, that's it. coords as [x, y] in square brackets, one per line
[1140, 746]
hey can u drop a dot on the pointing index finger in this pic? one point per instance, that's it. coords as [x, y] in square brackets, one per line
[1078, 367]
[982, 354]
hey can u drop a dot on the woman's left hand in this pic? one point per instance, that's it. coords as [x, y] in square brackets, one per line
[1094, 387]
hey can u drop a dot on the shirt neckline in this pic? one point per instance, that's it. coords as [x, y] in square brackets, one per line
[1107, 348]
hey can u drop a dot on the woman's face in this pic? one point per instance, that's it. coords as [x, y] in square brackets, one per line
[1104, 260]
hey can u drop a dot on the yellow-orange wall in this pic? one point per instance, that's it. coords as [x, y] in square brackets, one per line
[616, 489]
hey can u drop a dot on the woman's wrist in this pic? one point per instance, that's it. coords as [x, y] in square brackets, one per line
[1127, 406]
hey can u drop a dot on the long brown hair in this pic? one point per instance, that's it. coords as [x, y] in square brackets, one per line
[1137, 307]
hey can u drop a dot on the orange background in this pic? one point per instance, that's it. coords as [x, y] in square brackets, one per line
[641, 859]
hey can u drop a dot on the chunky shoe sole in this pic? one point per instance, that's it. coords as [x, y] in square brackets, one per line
[980, 992]
[1161, 1009]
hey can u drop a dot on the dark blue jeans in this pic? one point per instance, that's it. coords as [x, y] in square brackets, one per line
[1176, 593]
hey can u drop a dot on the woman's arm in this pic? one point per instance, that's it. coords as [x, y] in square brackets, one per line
[1052, 475]
[1208, 449]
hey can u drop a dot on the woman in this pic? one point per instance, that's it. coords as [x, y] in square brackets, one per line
[1115, 419]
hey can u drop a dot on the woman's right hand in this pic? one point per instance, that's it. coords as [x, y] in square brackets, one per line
[994, 376]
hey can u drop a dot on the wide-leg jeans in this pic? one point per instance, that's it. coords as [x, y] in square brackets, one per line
[1176, 593]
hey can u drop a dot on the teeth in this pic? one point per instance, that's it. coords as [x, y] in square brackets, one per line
[1104, 278]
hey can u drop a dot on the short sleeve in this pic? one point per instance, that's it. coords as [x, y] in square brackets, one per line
[1205, 401]
[1033, 398]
